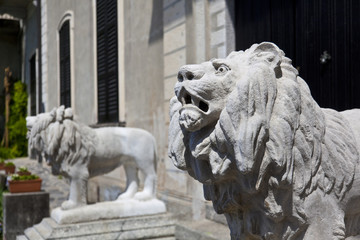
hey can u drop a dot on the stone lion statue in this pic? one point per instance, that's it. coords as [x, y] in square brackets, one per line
[79, 152]
[275, 163]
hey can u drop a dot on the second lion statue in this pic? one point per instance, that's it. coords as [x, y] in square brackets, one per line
[79, 152]
[275, 163]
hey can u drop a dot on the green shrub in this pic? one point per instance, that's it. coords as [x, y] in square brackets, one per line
[6, 153]
[9, 164]
[17, 123]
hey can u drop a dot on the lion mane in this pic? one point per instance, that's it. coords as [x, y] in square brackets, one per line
[270, 147]
[64, 141]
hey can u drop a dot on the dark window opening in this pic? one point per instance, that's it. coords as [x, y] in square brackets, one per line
[33, 85]
[65, 70]
[305, 30]
[107, 61]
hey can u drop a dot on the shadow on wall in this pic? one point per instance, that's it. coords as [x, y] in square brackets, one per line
[158, 8]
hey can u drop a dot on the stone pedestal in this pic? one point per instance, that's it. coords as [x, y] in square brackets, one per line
[23, 210]
[109, 210]
[160, 226]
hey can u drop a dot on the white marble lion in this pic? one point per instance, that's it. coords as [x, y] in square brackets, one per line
[79, 152]
[275, 163]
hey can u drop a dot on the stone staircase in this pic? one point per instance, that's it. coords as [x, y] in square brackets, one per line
[159, 227]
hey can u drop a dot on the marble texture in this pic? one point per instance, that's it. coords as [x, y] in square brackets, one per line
[270, 159]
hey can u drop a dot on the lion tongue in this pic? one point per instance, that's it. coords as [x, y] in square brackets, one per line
[189, 119]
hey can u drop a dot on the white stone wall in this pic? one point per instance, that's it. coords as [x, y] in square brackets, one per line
[221, 42]
[82, 58]
[174, 18]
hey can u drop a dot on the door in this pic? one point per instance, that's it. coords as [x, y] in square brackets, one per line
[321, 37]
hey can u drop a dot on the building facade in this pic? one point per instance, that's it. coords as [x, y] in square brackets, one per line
[115, 62]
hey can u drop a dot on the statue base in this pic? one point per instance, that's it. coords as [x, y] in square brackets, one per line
[159, 226]
[108, 210]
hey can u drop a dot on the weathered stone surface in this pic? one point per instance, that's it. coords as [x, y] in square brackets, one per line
[79, 153]
[159, 226]
[275, 163]
[23, 210]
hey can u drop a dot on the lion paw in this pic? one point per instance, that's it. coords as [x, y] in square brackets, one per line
[125, 195]
[70, 205]
[144, 195]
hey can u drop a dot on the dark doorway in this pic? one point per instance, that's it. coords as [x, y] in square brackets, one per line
[33, 85]
[321, 37]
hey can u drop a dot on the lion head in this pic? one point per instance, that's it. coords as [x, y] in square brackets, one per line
[248, 126]
[61, 139]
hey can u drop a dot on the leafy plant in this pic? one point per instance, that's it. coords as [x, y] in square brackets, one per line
[2, 161]
[23, 169]
[16, 177]
[6, 153]
[9, 164]
[17, 123]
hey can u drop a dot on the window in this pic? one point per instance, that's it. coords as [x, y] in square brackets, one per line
[107, 61]
[65, 79]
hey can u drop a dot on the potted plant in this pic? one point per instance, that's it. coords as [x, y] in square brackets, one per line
[23, 171]
[9, 168]
[24, 183]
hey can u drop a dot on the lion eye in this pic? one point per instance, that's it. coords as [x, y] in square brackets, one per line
[222, 69]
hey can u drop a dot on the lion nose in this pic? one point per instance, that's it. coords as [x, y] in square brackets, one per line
[190, 72]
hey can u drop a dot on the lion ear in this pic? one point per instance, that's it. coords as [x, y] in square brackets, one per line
[272, 54]
[53, 112]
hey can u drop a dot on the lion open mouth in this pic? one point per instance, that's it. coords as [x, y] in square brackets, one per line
[193, 111]
[189, 99]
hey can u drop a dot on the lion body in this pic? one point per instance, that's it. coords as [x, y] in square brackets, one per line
[119, 146]
[276, 164]
[79, 153]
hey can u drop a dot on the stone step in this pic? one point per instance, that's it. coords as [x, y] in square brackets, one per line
[201, 230]
[160, 226]
[43, 228]
[166, 238]
[32, 234]
[21, 237]
[49, 223]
